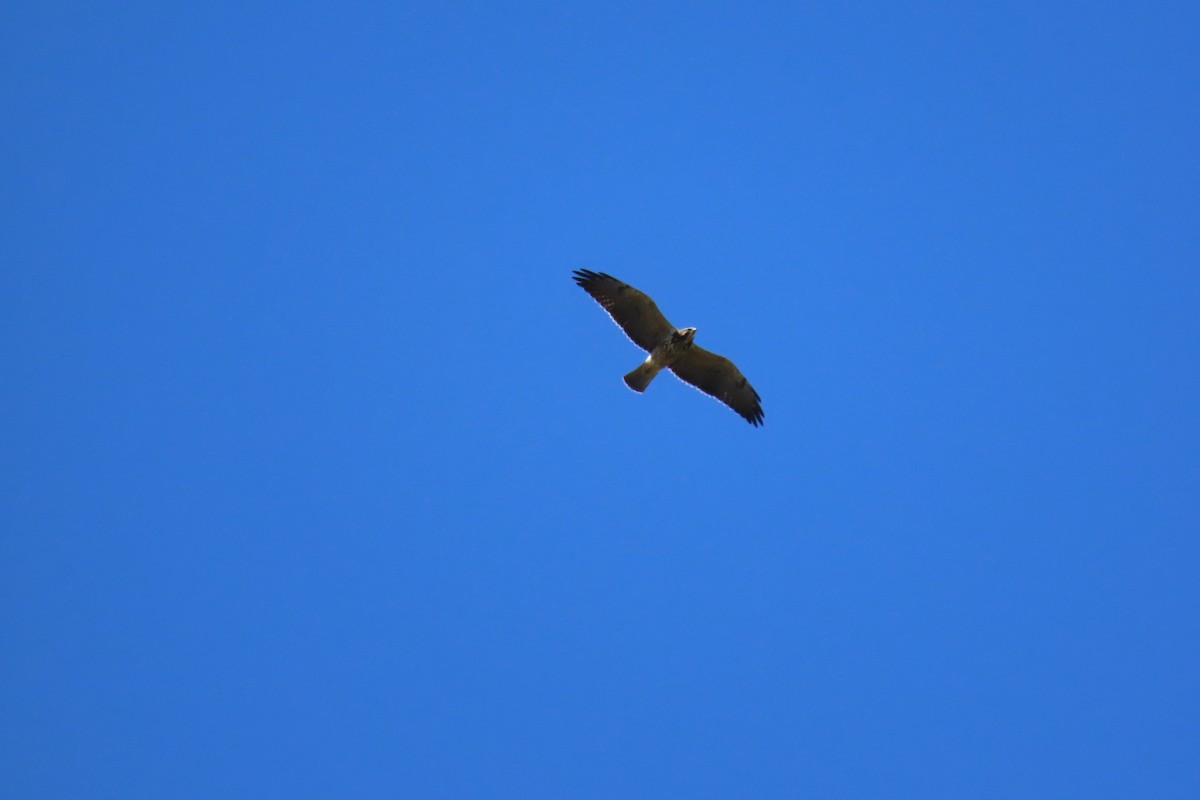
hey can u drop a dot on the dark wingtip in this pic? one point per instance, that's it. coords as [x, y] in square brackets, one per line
[585, 276]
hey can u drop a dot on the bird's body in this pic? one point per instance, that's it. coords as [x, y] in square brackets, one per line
[662, 355]
[669, 347]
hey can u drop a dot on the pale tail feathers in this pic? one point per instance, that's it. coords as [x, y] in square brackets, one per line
[640, 378]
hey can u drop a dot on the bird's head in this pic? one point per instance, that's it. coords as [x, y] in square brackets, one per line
[685, 334]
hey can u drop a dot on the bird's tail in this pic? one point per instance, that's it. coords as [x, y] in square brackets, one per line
[640, 378]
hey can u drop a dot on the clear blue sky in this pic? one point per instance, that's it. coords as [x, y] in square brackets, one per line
[319, 478]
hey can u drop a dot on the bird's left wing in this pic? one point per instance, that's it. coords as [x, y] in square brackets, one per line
[717, 376]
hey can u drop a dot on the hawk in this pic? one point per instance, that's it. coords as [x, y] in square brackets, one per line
[670, 347]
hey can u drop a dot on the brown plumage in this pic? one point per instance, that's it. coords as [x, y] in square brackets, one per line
[669, 347]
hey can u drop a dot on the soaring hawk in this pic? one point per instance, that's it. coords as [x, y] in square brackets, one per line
[669, 347]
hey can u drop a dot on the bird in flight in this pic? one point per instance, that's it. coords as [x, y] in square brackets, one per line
[669, 347]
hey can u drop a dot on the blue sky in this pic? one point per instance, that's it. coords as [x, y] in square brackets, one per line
[319, 478]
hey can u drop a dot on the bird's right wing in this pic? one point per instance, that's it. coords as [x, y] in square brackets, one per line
[634, 311]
